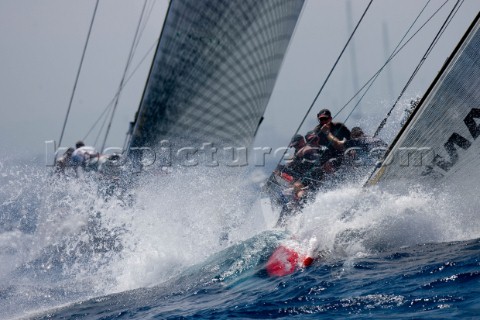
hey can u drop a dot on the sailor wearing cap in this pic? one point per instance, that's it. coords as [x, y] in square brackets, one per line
[297, 142]
[325, 126]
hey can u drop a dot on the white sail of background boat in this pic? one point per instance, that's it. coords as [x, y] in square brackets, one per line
[214, 70]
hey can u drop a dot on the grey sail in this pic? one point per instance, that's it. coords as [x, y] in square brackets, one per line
[214, 70]
[440, 145]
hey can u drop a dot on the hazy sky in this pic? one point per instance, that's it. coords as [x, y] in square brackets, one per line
[42, 43]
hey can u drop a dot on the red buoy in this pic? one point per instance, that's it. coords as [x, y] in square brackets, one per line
[282, 262]
[285, 260]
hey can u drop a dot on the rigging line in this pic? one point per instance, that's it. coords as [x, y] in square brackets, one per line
[132, 49]
[136, 68]
[422, 60]
[333, 68]
[141, 61]
[394, 55]
[101, 127]
[451, 18]
[389, 58]
[329, 74]
[141, 27]
[98, 119]
[117, 94]
[78, 74]
[124, 84]
[141, 106]
[144, 21]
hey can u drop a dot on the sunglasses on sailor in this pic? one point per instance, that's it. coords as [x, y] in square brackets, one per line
[323, 119]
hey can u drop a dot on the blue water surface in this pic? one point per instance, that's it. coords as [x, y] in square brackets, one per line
[195, 250]
[431, 281]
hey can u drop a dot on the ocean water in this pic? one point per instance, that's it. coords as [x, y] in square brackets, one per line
[186, 244]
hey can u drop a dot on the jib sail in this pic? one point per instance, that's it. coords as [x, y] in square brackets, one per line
[440, 144]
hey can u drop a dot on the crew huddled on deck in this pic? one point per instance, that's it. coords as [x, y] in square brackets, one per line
[79, 159]
[83, 158]
[360, 144]
[326, 156]
[108, 170]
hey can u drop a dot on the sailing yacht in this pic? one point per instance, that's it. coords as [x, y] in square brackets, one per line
[437, 145]
[436, 149]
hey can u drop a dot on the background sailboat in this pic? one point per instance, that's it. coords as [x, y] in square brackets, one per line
[214, 71]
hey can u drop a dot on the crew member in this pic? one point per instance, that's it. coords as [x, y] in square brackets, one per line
[297, 142]
[337, 129]
[360, 144]
[84, 156]
[64, 161]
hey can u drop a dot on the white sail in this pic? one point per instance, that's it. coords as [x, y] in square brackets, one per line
[214, 70]
[440, 145]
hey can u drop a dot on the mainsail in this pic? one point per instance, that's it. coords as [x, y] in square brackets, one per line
[440, 145]
[214, 70]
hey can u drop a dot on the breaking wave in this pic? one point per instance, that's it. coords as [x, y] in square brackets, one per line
[63, 240]
[353, 221]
